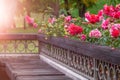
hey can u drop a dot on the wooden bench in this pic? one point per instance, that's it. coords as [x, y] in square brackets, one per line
[27, 68]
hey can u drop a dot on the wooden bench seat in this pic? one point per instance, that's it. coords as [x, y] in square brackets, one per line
[35, 69]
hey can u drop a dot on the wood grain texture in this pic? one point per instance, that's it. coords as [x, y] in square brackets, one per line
[26, 68]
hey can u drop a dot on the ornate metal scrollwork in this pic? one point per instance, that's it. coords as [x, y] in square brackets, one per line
[19, 46]
[93, 69]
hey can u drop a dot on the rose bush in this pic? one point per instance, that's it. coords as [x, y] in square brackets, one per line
[102, 28]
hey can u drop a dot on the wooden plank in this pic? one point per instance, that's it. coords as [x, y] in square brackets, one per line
[36, 72]
[13, 73]
[27, 69]
[27, 63]
[42, 78]
[30, 67]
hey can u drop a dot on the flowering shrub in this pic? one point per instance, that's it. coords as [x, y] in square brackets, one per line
[102, 28]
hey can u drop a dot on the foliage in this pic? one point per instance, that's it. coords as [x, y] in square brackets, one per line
[54, 27]
[113, 2]
[99, 4]
[37, 6]
[76, 7]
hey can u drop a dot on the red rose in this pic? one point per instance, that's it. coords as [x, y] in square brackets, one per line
[74, 29]
[93, 18]
[115, 33]
[116, 15]
[109, 10]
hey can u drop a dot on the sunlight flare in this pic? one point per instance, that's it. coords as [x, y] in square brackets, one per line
[7, 11]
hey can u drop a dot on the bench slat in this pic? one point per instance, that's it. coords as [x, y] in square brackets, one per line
[43, 78]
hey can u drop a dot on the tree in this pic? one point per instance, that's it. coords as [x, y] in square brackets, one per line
[40, 6]
[67, 6]
[113, 2]
[81, 5]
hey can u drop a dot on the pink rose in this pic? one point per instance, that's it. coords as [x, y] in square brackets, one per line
[100, 13]
[65, 26]
[83, 37]
[95, 34]
[40, 31]
[68, 19]
[29, 20]
[35, 25]
[51, 20]
[117, 7]
[105, 24]
[117, 26]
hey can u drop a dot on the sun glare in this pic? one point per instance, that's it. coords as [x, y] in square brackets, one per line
[3, 11]
[7, 10]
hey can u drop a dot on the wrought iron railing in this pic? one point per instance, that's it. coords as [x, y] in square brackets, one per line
[19, 43]
[91, 61]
